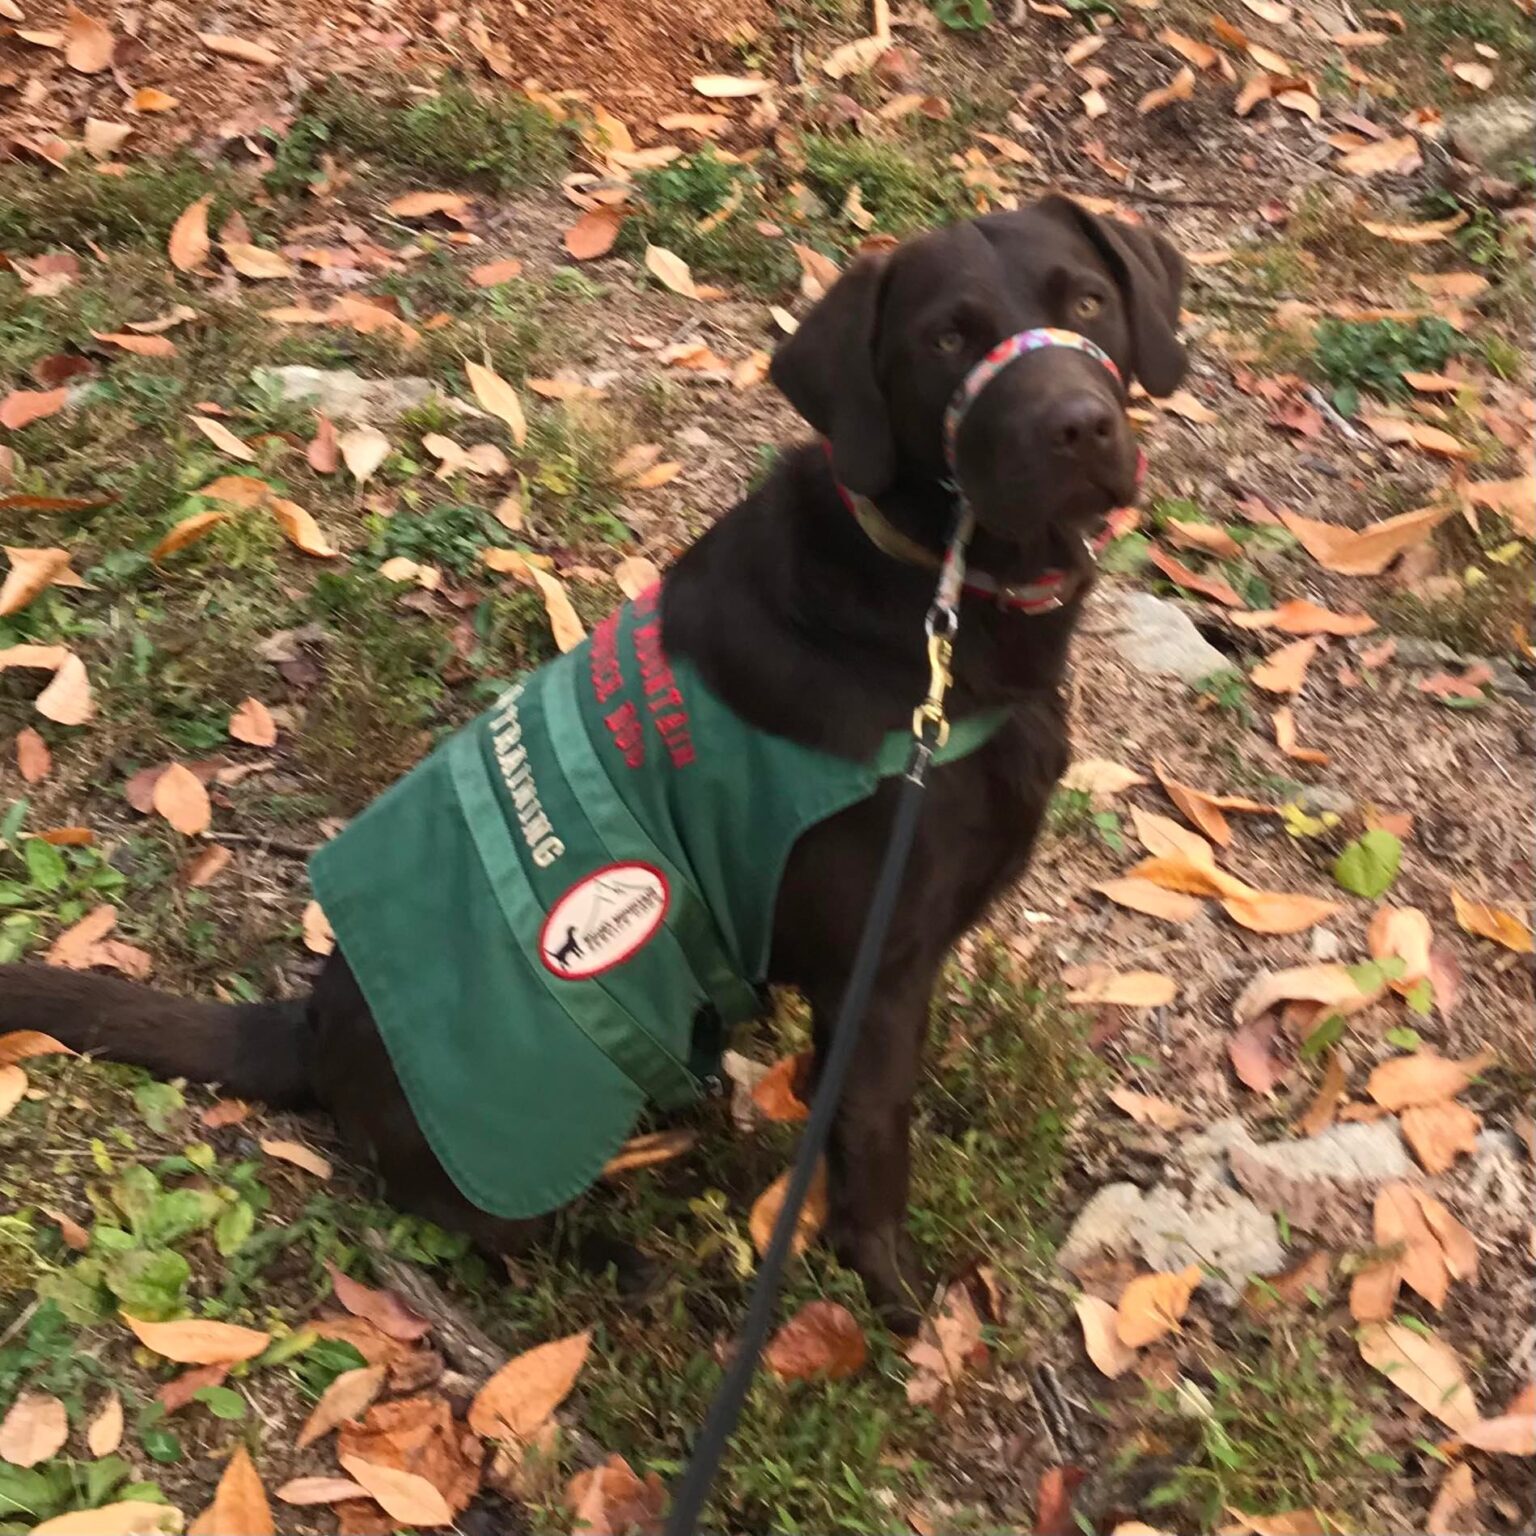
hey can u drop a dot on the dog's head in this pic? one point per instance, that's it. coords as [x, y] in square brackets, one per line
[1045, 446]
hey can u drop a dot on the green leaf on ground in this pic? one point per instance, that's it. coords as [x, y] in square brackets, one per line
[1369, 865]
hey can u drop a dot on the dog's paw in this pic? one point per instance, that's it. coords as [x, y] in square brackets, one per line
[895, 1281]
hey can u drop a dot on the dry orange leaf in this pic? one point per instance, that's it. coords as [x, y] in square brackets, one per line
[299, 1155]
[1285, 670]
[1148, 1109]
[1284, 720]
[34, 1430]
[1489, 922]
[255, 261]
[363, 449]
[148, 99]
[418, 205]
[239, 48]
[528, 1388]
[140, 346]
[32, 572]
[1330, 985]
[1154, 900]
[349, 1396]
[650, 1150]
[1180, 88]
[730, 87]
[318, 937]
[24, 1044]
[1251, 1050]
[1211, 538]
[1277, 911]
[812, 1218]
[774, 1093]
[1510, 1434]
[1423, 1367]
[1418, 434]
[1424, 1078]
[1110, 1355]
[1401, 933]
[223, 439]
[132, 1517]
[1381, 156]
[188, 531]
[1370, 551]
[189, 244]
[822, 1339]
[105, 1432]
[88, 43]
[1126, 989]
[490, 274]
[611, 1501]
[301, 530]
[1440, 1133]
[179, 797]
[13, 1084]
[670, 270]
[593, 234]
[22, 407]
[1299, 617]
[1205, 810]
[499, 398]
[205, 866]
[197, 1341]
[253, 724]
[1152, 1305]
[1323, 1109]
[1100, 776]
[1201, 55]
[303, 1491]
[239, 1502]
[1208, 586]
[33, 759]
[635, 574]
[1417, 234]
[237, 491]
[1165, 838]
[564, 624]
[403, 1496]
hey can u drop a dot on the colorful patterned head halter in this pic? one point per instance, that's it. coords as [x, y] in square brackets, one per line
[1009, 350]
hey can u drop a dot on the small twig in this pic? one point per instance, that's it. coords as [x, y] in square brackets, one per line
[19, 1322]
[1344, 429]
[271, 844]
[1492, 757]
[464, 1345]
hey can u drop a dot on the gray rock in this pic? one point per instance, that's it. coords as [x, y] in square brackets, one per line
[1316, 799]
[348, 397]
[1154, 637]
[1209, 1224]
[1415, 651]
[1498, 134]
[1323, 1184]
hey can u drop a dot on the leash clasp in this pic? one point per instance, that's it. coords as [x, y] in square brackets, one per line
[929, 723]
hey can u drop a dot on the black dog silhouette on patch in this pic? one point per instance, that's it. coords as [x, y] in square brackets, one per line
[570, 950]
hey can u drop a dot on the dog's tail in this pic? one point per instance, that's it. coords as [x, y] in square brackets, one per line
[256, 1050]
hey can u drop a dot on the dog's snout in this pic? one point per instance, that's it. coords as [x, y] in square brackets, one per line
[1080, 424]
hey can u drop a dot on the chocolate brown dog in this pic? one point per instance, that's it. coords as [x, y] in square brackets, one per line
[802, 610]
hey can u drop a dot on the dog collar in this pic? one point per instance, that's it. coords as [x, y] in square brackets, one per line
[1044, 593]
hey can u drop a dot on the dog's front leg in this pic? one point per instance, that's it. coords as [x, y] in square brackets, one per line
[869, 1155]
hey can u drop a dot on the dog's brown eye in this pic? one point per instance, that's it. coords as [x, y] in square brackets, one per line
[949, 343]
[1087, 307]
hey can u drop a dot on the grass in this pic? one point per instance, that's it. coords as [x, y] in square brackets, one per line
[455, 137]
[1271, 1427]
[901, 191]
[1370, 357]
[705, 209]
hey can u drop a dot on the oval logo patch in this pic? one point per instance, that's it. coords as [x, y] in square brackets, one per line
[603, 919]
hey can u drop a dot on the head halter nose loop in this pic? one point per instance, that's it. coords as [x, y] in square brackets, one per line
[1009, 350]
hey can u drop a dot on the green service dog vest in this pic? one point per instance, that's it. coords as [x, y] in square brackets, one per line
[556, 916]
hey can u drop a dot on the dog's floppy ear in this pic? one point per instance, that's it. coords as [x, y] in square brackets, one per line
[1150, 274]
[826, 370]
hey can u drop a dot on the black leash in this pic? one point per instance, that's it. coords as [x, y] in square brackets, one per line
[929, 731]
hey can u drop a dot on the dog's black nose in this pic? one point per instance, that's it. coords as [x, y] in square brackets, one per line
[1080, 424]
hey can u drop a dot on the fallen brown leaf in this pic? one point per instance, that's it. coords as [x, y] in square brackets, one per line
[611, 1500]
[300, 1156]
[394, 1318]
[1277, 911]
[822, 1339]
[594, 233]
[196, 1341]
[246, 51]
[1299, 617]
[253, 724]
[189, 243]
[318, 937]
[1440, 1133]
[34, 1430]
[1152, 1305]
[300, 529]
[1110, 1355]
[88, 43]
[31, 573]
[1455, 1503]
[1417, 234]
[499, 398]
[1205, 810]
[1125, 989]
[1285, 670]
[1423, 1367]
[105, 1432]
[1154, 900]
[528, 1389]
[22, 407]
[1147, 1109]
[1423, 1078]
[1251, 1049]
[1180, 574]
[349, 1396]
[808, 1225]
[1489, 922]
[179, 797]
[320, 1490]
[404, 1496]
[239, 1502]
[1370, 551]
[650, 1149]
[775, 1093]
[419, 205]
[1284, 720]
